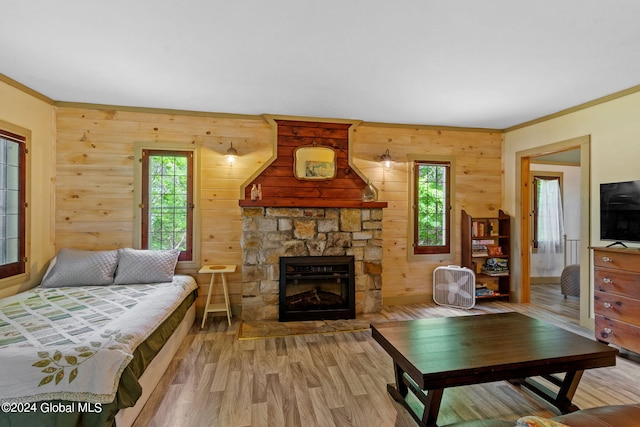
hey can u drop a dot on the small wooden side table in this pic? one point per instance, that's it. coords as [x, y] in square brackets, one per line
[222, 306]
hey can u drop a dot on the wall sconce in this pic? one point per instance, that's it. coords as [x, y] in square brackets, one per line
[386, 161]
[231, 154]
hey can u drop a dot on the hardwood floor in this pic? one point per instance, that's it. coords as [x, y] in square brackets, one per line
[340, 379]
[549, 297]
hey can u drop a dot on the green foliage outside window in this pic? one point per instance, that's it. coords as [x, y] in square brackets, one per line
[431, 204]
[168, 176]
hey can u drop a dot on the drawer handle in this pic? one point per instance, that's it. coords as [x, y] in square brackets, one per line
[606, 332]
[607, 280]
[606, 259]
[607, 305]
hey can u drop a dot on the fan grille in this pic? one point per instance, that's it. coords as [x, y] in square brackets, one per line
[454, 286]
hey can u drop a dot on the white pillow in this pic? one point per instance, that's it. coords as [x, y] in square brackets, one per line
[146, 266]
[73, 267]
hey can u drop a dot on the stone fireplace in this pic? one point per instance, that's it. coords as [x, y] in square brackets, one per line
[295, 218]
[271, 233]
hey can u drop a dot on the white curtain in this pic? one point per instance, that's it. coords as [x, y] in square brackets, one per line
[550, 227]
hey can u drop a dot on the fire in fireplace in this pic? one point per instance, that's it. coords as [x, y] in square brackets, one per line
[317, 288]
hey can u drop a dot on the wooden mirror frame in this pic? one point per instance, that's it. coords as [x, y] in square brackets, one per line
[314, 163]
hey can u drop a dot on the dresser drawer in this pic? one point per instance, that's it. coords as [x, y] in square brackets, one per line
[617, 332]
[619, 260]
[617, 282]
[617, 307]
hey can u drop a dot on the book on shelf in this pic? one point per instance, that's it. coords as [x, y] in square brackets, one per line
[485, 242]
[496, 267]
[494, 227]
[483, 291]
[478, 228]
[495, 273]
[479, 250]
[498, 263]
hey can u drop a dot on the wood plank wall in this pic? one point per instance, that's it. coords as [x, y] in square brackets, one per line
[278, 181]
[478, 190]
[95, 175]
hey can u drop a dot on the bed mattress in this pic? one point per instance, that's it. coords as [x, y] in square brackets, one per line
[83, 348]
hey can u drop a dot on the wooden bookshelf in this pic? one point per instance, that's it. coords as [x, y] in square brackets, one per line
[486, 249]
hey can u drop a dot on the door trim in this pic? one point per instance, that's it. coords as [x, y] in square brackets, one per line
[523, 210]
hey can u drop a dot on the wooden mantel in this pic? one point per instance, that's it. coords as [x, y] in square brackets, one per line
[312, 203]
[280, 188]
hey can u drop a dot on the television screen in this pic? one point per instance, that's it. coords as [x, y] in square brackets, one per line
[620, 211]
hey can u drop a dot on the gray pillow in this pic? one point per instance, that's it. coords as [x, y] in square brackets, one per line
[146, 266]
[73, 267]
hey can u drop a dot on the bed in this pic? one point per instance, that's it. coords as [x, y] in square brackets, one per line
[87, 346]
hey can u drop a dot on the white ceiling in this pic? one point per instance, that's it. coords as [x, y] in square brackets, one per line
[490, 64]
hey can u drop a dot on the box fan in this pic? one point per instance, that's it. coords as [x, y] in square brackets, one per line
[454, 286]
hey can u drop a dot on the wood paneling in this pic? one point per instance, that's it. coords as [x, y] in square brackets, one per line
[281, 188]
[95, 176]
[478, 189]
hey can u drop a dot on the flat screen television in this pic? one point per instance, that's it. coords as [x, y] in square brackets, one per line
[620, 211]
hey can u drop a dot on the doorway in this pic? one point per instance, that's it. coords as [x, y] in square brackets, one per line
[578, 150]
[555, 230]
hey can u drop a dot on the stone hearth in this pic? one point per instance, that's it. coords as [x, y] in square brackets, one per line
[269, 233]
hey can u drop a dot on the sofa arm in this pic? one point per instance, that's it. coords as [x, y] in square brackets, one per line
[483, 423]
[614, 415]
[603, 416]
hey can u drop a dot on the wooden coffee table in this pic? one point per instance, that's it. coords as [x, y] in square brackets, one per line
[430, 355]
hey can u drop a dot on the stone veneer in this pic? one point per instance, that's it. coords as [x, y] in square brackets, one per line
[270, 233]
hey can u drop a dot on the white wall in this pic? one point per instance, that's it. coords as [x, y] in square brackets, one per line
[614, 130]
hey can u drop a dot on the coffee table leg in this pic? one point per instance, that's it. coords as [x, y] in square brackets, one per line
[429, 400]
[566, 390]
[432, 407]
[401, 387]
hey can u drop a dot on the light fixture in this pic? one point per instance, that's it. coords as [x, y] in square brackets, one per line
[387, 161]
[231, 154]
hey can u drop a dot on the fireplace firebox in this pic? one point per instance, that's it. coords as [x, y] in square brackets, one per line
[317, 288]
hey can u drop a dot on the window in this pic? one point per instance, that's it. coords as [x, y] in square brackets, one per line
[432, 207]
[12, 204]
[548, 224]
[167, 201]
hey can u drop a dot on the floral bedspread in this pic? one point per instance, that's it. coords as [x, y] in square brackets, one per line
[73, 343]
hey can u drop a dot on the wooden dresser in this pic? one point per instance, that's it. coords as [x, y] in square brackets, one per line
[617, 296]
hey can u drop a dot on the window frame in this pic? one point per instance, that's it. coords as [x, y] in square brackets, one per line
[445, 252]
[18, 268]
[140, 189]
